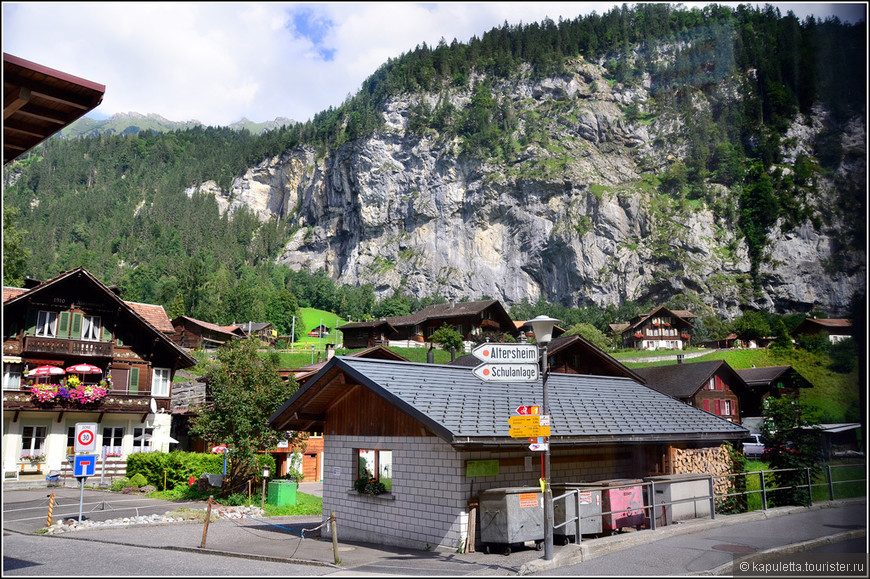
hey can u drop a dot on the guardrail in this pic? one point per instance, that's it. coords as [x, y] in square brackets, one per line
[651, 504]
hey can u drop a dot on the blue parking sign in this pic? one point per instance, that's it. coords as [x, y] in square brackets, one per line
[84, 465]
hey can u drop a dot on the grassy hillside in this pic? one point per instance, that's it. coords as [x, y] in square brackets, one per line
[311, 318]
[834, 396]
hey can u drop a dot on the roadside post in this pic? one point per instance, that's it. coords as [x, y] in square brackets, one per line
[84, 465]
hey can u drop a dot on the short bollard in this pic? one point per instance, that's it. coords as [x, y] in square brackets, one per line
[207, 519]
[334, 537]
[50, 508]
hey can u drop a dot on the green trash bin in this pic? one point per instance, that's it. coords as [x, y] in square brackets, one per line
[282, 493]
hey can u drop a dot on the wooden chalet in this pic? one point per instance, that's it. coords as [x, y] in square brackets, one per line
[711, 386]
[128, 358]
[772, 381]
[837, 329]
[470, 319]
[660, 329]
[263, 331]
[195, 334]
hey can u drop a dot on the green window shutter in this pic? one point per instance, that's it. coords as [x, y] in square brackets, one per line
[106, 335]
[63, 325]
[30, 322]
[134, 380]
[76, 329]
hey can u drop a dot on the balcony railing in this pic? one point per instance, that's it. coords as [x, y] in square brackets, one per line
[77, 348]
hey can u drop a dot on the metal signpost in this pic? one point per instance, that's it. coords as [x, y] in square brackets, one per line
[83, 467]
[520, 363]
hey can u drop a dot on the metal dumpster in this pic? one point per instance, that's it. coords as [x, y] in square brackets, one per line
[566, 509]
[511, 516]
[672, 497]
[282, 493]
[619, 495]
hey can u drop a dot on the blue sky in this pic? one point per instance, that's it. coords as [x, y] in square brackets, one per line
[220, 62]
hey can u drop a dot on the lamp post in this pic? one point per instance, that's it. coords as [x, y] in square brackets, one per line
[542, 326]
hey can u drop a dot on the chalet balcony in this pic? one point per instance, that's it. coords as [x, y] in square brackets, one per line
[66, 348]
[115, 401]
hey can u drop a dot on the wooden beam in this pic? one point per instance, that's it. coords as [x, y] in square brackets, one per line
[60, 416]
[14, 102]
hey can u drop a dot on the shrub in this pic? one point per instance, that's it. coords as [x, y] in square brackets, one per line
[121, 483]
[235, 500]
[137, 480]
[176, 466]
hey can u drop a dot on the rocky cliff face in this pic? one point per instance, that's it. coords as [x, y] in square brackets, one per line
[575, 219]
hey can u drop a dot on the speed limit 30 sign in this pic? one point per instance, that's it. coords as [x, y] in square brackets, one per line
[86, 437]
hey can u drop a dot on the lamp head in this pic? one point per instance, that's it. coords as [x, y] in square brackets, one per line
[542, 326]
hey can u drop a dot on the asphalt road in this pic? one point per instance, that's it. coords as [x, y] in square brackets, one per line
[26, 511]
[44, 556]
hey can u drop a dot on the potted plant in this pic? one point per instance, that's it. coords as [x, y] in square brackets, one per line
[365, 485]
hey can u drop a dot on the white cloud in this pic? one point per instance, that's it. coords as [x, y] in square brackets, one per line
[219, 62]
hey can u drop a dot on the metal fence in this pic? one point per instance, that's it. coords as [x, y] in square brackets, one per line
[825, 489]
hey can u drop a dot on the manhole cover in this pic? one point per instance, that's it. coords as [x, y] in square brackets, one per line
[735, 548]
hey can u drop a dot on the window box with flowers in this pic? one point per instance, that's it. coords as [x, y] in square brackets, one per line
[74, 391]
[34, 460]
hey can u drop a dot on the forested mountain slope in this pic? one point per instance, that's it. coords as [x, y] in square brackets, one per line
[624, 157]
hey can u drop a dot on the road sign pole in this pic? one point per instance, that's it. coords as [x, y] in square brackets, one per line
[81, 497]
[548, 493]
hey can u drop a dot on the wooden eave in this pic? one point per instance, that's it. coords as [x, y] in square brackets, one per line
[39, 101]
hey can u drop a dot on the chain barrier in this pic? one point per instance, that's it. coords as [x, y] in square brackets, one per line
[224, 511]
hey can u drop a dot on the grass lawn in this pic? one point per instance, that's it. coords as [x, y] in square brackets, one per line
[305, 504]
[848, 480]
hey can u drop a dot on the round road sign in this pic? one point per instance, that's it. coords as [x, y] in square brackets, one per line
[85, 437]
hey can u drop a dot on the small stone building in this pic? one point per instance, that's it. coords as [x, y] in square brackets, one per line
[436, 436]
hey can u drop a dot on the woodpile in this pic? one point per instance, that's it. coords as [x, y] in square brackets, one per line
[710, 460]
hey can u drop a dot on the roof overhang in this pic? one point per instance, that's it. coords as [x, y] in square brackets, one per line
[39, 101]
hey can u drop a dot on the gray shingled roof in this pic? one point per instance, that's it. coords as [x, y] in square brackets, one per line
[461, 408]
[681, 380]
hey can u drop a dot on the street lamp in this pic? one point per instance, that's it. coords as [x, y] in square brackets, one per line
[542, 326]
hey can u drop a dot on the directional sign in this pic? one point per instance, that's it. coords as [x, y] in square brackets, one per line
[527, 410]
[507, 353]
[86, 437]
[534, 420]
[528, 431]
[507, 372]
[84, 465]
[539, 446]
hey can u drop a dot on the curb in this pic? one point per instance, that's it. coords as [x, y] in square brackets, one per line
[573, 554]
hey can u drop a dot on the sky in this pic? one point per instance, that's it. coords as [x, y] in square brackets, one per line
[217, 63]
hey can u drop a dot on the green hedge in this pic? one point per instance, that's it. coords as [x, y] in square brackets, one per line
[178, 466]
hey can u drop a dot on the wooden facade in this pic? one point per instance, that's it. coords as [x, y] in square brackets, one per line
[195, 334]
[712, 386]
[660, 329]
[74, 319]
[470, 319]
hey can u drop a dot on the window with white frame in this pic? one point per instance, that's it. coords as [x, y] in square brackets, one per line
[726, 407]
[11, 376]
[46, 324]
[32, 441]
[376, 465]
[91, 328]
[160, 382]
[113, 437]
[142, 439]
